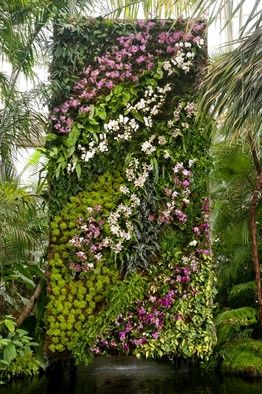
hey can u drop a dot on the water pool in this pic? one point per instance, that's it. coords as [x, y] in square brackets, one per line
[126, 375]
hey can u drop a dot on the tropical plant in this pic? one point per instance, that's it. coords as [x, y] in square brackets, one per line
[23, 34]
[16, 351]
[23, 238]
[232, 91]
[121, 298]
[25, 28]
[232, 180]
[235, 323]
[18, 235]
[150, 9]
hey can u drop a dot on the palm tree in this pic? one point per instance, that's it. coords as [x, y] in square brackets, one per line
[214, 9]
[15, 236]
[25, 28]
[233, 90]
[232, 182]
[22, 235]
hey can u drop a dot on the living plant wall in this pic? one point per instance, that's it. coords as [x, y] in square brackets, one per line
[128, 164]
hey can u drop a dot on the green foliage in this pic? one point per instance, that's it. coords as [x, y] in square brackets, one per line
[243, 294]
[119, 301]
[65, 149]
[72, 303]
[233, 180]
[187, 341]
[230, 323]
[145, 246]
[16, 210]
[151, 219]
[242, 357]
[194, 335]
[237, 169]
[23, 238]
[92, 38]
[16, 351]
[239, 102]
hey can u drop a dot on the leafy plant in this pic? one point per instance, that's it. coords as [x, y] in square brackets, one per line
[237, 102]
[16, 351]
[230, 323]
[234, 327]
[23, 239]
[243, 294]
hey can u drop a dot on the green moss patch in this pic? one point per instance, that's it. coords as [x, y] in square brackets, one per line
[243, 357]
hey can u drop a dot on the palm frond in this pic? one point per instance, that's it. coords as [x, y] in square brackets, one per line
[232, 182]
[132, 9]
[243, 294]
[215, 9]
[18, 213]
[4, 84]
[233, 86]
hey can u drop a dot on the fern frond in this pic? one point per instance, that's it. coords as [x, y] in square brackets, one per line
[243, 294]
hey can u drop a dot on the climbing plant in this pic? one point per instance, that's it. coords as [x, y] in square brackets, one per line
[129, 256]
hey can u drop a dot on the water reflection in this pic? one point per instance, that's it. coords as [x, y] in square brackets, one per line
[125, 375]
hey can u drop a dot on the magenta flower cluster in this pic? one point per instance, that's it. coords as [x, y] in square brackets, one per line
[88, 245]
[132, 55]
[138, 327]
[149, 317]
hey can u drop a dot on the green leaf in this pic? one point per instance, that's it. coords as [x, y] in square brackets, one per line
[26, 280]
[9, 353]
[72, 136]
[51, 137]
[101, 113]
[118, 90]
[53, 152]
[92, 111]
[4, 342]
[10, 324]
[70, 151]
[4, 363]
[154, 164]
[78, 170]
[18, 343]
[137, 116]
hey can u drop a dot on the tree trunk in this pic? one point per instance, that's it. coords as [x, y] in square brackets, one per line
[28, 309]
[254, 243]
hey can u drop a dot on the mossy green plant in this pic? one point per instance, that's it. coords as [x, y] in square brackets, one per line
[242, 357]
[72, 300]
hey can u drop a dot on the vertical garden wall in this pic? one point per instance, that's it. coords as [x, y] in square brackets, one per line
[129, 257]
